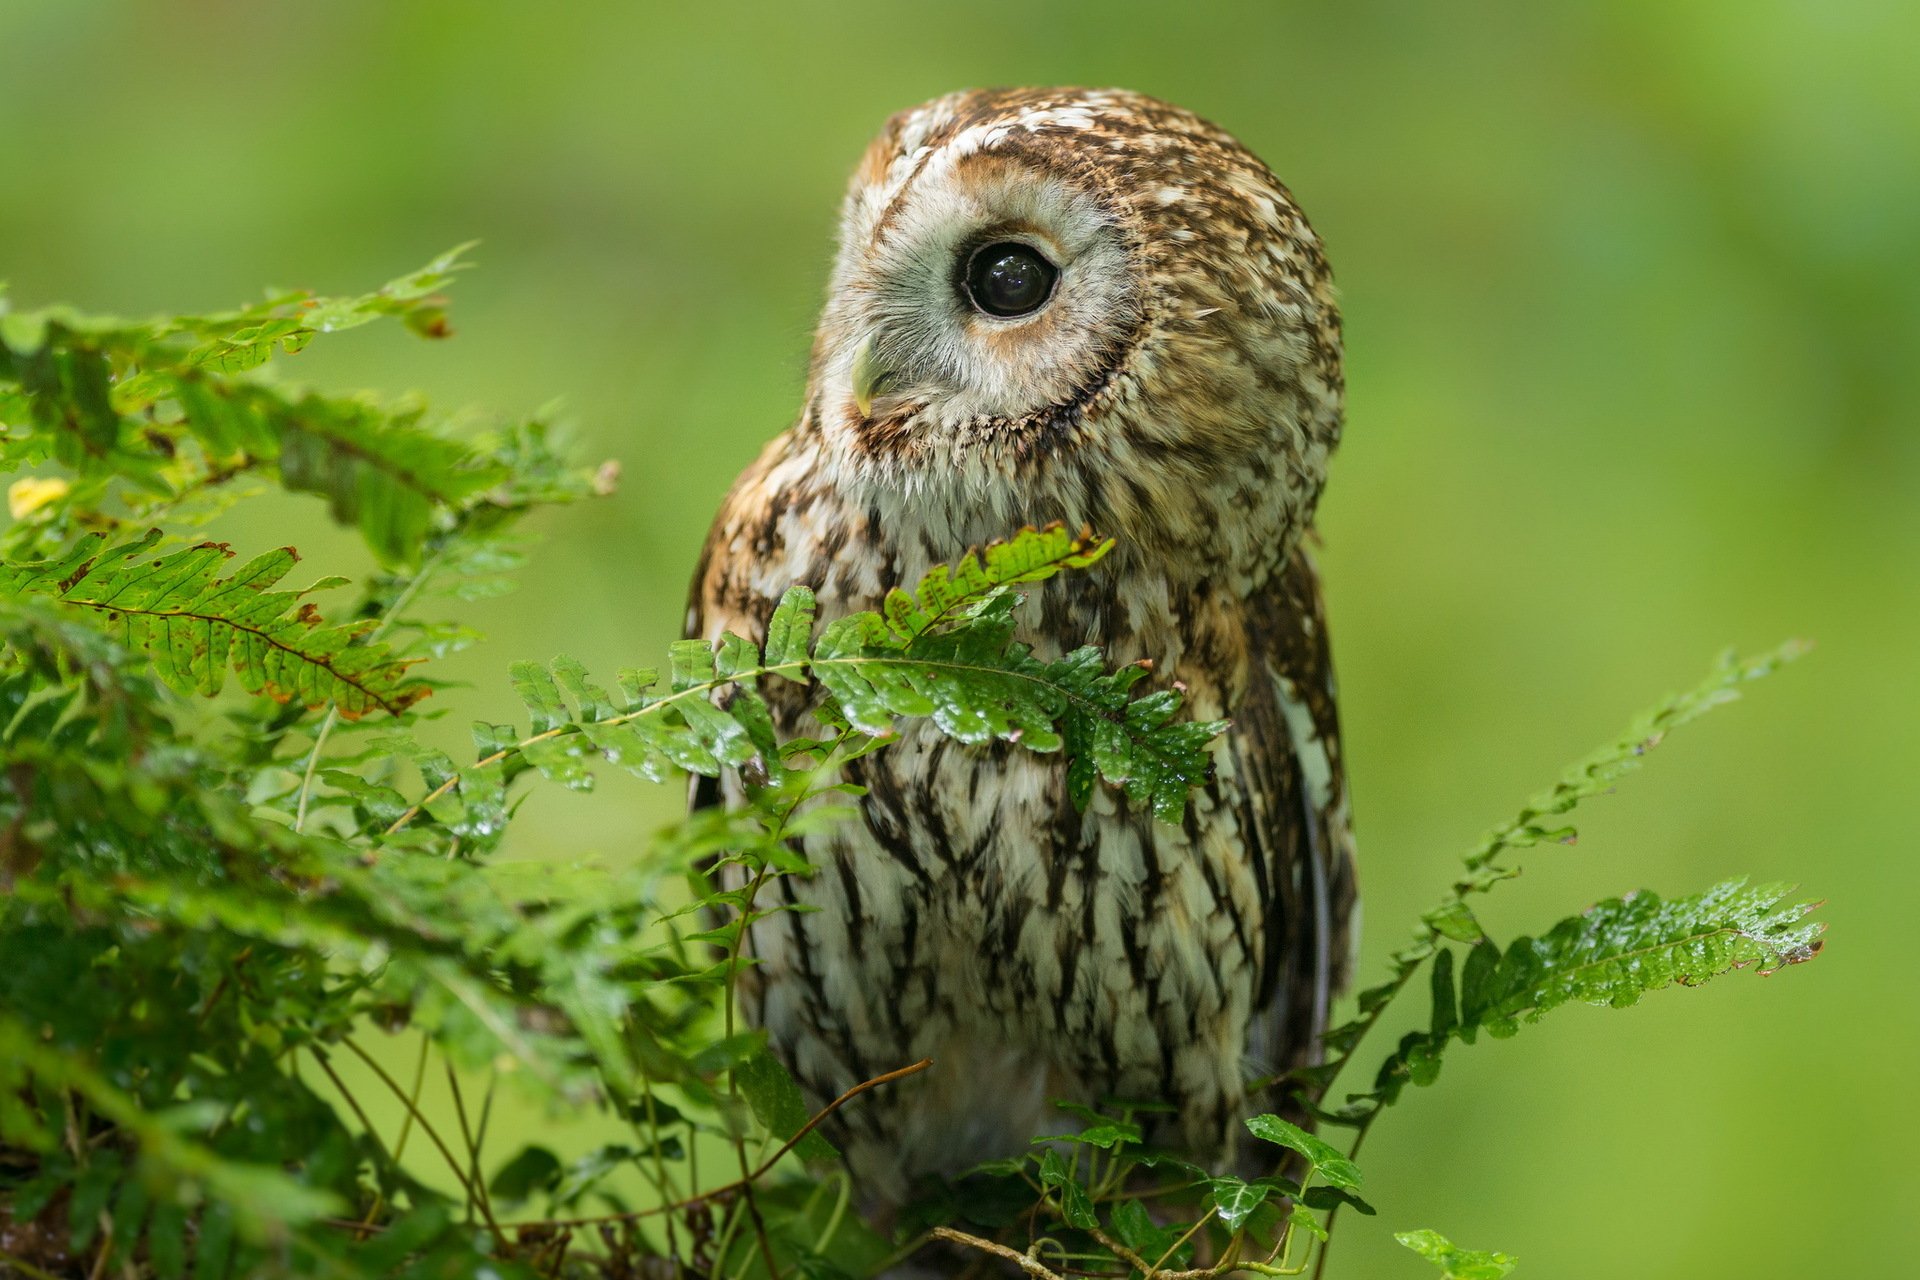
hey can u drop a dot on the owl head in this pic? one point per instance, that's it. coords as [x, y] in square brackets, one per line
[1084, 305]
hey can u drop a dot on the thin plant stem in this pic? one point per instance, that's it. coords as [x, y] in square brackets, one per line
[25, 1268]
[353, 1103]
[476, 1189]
[406, 1130]
[459, 1169]
[661, 1178]
[1175, 1246]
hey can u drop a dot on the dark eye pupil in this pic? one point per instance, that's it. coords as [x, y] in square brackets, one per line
[1009, 279]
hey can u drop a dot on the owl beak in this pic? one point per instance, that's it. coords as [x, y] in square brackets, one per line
[871, 376]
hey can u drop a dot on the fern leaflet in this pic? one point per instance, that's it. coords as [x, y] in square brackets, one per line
[195, 625]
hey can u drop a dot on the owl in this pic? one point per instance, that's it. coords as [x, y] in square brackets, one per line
[1093, 307]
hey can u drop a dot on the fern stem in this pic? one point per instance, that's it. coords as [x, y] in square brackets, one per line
[661, 1178]
[473, 1184]
[353, 1103]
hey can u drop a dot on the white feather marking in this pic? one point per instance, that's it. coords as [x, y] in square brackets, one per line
[1315, 765]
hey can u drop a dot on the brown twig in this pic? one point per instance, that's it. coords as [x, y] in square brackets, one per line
[1121, 1251]
[1032, 1266]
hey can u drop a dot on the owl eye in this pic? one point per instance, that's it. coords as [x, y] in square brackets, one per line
[1009, 279]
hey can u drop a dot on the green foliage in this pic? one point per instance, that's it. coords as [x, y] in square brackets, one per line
[1454, 1262]
[193, 624]
[153, 412]
[1486, 865]
[222, 901]
[217, 914]
[1611, 955]
[945, 653]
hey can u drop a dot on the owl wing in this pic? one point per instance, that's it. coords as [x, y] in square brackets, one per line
[1294, 819]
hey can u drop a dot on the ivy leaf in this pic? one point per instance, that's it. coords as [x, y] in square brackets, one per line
[1454, 1262]
[1330, 1198]
[1332, 1167]
[1134, 1227]
[1305, 1219]
[1101, 1131]
[1075, 1206]
[1236, 1199]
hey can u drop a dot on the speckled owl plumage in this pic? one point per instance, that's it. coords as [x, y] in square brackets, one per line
[1180, 391]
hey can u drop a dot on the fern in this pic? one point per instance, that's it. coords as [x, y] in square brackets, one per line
[1537, 824]
[377, 468]
[945, 653]
[195, 624]
[200, 925]
[1611, 955]
[154, 408]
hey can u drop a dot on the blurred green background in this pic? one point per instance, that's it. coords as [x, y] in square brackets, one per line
[1633, 310]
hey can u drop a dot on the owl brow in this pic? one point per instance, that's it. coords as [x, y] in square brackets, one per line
[891, 214]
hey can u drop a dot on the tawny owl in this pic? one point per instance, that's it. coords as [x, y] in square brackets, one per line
[1087, 306]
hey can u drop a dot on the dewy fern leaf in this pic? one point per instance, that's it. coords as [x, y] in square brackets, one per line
[944, 652]
[1611, 955]
[196, 625]
[1625, 947]
[1538, 822]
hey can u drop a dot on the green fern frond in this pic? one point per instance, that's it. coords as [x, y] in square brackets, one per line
[1034, 556]
[195, 625]
[164, 408]
[1625, 947]
[1535, 825]
[1598, 772]
[1612, 955]
[380, 470]
[946, 653]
